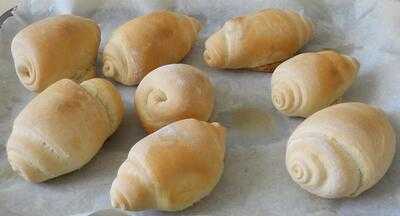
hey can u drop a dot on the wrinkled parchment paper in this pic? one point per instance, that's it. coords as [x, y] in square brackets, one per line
[255, 181]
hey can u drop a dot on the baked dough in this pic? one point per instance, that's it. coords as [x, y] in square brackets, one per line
[259, 41]
[146, 43]
[310, 82]
[171, 168]
[63, 127]
[341, 151]
[55, 48]
[171, 93]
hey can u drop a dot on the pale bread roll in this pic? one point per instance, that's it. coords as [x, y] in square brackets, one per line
[258, 41]
[55, 48]
[341, 151]
[310, 82]
[63, 127]
[171, 168]
[171, 93]
[146, 43]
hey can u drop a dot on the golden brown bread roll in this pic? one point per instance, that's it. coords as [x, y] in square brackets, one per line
[147, 42]
[171, 168]
[259, 41]
[171, 93]
[310, 82]
[55, 48]
[341, 151]
[63, 127]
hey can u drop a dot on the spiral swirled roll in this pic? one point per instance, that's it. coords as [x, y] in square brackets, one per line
[341, 151]
[146, 43]
[258, 41]
[171, 93]
[310, 82]
[55, 48]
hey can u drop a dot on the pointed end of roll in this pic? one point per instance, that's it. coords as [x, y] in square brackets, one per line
[128, 192]
[213, 57]
[208, 57]
[118, 200]
[24, 169]
[214, 54]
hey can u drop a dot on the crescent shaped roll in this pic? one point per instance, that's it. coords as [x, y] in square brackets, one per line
[341, 151]
[259, 41]
[310, 82]
[146, 43]
[171, 168]
[171, 93]
[63, 127]
[55, 48]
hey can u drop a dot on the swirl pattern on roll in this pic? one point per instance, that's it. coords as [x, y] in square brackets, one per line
[310, 82]
[290, 97]
[341, 151]
[171, 93]
[116, 59]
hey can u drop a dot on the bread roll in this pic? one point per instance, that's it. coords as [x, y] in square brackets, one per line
[171, 93]
[55, 48]
[146, 43]
[258, 41]
[341, 151]
[63, 127]
[310, 82]
[172, 168]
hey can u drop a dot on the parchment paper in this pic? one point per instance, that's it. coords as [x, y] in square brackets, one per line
[255, 181]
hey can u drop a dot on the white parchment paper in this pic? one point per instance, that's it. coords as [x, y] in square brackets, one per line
[255, 181]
